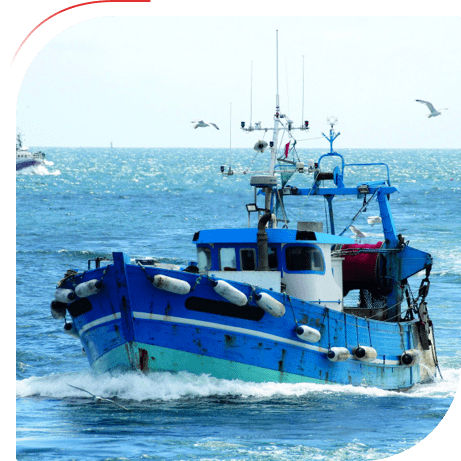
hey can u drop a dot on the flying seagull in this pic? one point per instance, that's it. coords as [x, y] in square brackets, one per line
[202, 124]
[434, 112]
[97, 398]
[358, 234]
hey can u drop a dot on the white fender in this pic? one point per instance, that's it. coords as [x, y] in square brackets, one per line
[230, 293]
[270, 305]
[338, 354]
[410, 357]
[180, 287]
[308, 334]
[88, 288]
[58, 310]
[64, 295]
[70, 329]
[364, 353]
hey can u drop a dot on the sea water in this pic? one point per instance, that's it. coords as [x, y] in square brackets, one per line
[86, 203]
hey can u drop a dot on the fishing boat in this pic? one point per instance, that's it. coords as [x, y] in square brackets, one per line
[270, 302]
[25, 158]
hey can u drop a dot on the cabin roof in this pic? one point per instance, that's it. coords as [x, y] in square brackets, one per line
[249, 235]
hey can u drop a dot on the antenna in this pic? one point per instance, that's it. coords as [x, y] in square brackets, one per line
[277, 60]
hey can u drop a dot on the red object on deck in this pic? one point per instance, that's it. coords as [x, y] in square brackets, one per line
[360, 270]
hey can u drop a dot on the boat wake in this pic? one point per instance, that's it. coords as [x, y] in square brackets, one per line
[39, 170]
[164, 386]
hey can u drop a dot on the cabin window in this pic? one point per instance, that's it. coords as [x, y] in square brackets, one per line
[227, 259]
[272, 255]
[247, 259]
[203, 259]
[304, 258]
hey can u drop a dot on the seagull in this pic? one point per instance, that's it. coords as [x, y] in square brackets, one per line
[202, 124]
[97, 398]
[358, 234]
[434, 112]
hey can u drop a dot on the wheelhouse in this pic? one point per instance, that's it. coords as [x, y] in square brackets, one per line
[300, 263]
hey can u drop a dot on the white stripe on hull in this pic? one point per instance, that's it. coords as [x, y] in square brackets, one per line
[95, 323]
[218, 326]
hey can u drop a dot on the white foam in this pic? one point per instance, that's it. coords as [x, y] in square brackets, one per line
[40, 170]
[174, 386]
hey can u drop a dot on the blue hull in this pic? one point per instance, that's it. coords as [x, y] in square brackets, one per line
[26, 164]
[131, 324]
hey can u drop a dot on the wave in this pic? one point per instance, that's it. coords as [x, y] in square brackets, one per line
[40, 170]
[165, 386]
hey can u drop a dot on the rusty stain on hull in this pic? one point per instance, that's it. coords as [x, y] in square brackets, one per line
[143, 360]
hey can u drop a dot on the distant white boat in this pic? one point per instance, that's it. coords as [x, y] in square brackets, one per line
[25, 158]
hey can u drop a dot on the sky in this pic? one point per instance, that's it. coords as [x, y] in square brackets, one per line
[139, 81]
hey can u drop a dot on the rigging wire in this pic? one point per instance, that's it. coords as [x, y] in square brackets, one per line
[286, 74]
[230, 138]
[251, 93]
[302, 112]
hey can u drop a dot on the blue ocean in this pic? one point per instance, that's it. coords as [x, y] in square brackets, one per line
[88, 202]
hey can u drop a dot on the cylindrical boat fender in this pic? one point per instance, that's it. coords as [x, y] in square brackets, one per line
[230, 293]
[179, 287]
[364, 353]
[338, 354]
[64, 295]
[410, 357]
[58, 310]
[70, 329]
[91, 287]
[308, 334]
[270, 305]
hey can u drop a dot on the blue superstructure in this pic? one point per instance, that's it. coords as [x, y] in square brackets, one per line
[268, 302]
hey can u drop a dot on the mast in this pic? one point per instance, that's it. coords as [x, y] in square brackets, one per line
[277, 113]
[268, 181]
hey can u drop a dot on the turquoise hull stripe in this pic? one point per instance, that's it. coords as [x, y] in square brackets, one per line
[164, 359]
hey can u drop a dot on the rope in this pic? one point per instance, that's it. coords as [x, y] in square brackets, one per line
[326, 216]
[292, 310]
[246, 170]
[364, 206]
[199, 279]
[357, 329]
[151, 279]
[282, 207]
[385, 310]
[434, 353]
[253, 292]
[369, 333]
[70, 273]
[301, 208]
[328, 319]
